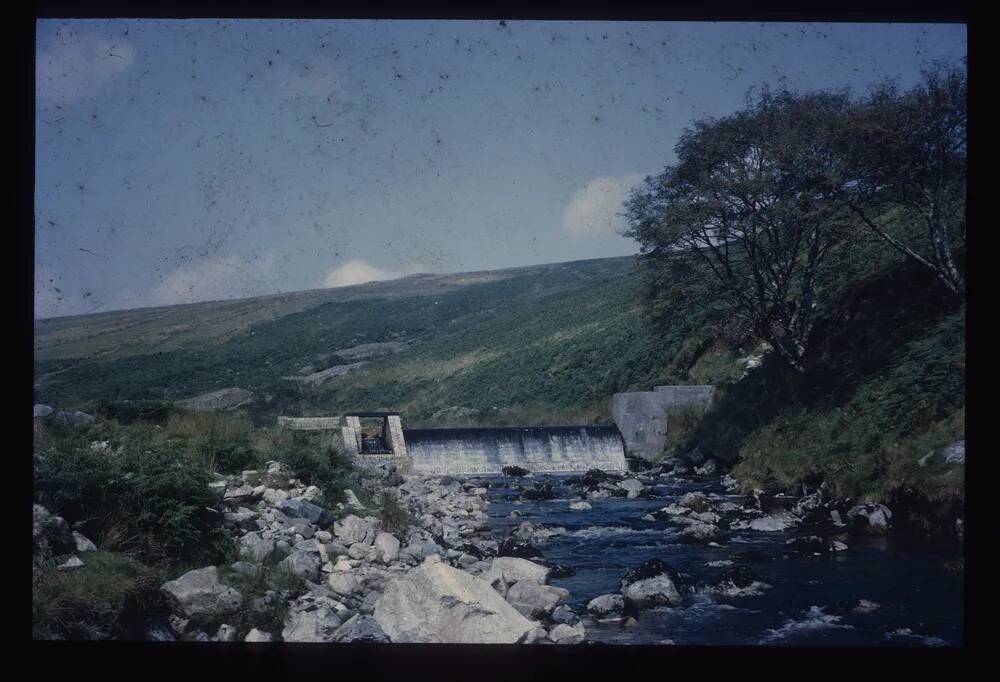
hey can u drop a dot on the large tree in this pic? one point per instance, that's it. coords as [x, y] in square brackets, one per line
[750, 201]
[905, 160]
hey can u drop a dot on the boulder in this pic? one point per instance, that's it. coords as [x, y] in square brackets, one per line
[699, 533]
[83, 544]
[241, 494]
[694, 501]
[514, 569]
[352, 529]
[200, 594]
[256, 548]
[225, 633]
[256, 635]
[50, 534]
[709, 468]
[518, 548]
[771, 523]
[362, 629]
[343, 582]
[534, 599]
[955, 453]
[651, 584]
[567, 634]
[275, 496]
[352, 501]
[564, 614]
[514, 471]
[632, 487]
[580, 505]
[303, 564]
[311, 619]
[70, 564]
[244, 519]
[387, 546]
[437, 603]
[540, 491]
[870, 518]
[76, 418]
[307, 510]
[606, 605]
[362, 552]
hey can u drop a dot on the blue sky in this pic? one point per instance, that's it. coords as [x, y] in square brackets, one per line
[181, 161]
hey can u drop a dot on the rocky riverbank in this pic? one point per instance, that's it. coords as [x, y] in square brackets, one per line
[437, 572]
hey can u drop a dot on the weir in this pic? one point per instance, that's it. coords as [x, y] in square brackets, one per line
[640, 429]
[541, 449]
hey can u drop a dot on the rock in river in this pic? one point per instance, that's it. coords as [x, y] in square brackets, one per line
[437, 603]
[651, 584]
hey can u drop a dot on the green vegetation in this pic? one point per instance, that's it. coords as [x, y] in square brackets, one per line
[97, 601]
[394, 517]
[846, 256]
[140, 491]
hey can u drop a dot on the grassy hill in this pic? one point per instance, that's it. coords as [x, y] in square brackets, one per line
[536, 343]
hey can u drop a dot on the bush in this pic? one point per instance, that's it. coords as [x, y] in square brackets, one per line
[101, 600]
[260, 610]
[150, 499]
[395, 519]
[321, 465]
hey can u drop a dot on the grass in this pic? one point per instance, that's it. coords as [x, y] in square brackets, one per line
[98, 601]
[395, 518]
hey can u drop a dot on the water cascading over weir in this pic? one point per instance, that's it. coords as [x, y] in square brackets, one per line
[466, 451]
[541, 449]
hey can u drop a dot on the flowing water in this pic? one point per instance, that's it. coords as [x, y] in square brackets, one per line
[921, 603]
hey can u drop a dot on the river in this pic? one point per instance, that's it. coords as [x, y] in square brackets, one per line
[920, 602]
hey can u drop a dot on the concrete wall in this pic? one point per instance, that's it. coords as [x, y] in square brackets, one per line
[642, 420]
[393, 434]
[643, 417]
[554, 449]
[685, 396]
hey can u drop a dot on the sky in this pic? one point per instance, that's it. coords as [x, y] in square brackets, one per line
[193, 160]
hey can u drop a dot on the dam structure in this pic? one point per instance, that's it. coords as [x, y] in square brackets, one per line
[468, 451]
[539, 449]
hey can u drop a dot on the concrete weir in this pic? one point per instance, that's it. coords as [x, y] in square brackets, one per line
[540, 449]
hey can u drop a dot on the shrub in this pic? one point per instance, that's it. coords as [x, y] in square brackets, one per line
[261, 610]
[101, 600]
[321, 465]
[150, 499]
[395, 518]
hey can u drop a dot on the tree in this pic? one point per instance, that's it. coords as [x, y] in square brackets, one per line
[907, 151]
[750, 200]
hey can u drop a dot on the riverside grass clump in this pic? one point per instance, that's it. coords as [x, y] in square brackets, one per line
[102, 599]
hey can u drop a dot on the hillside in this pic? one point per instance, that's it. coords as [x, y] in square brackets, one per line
[524, 343]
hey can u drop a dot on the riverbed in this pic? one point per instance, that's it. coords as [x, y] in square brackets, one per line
[920, 602]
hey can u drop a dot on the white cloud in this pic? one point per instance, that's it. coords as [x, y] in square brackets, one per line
[77, 63]
[359, 272]
[220, 278]
[593, 211]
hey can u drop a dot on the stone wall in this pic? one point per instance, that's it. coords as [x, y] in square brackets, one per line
[393, 434]
[309, 423]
